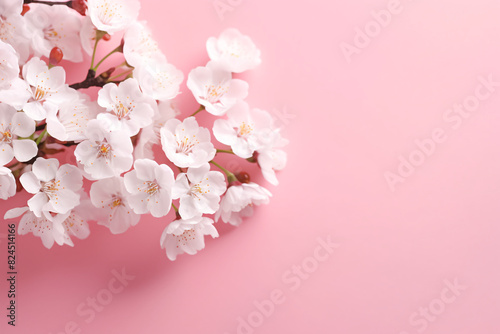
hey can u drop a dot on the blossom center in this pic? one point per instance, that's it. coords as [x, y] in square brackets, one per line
[104, 150]
[40, 93]
[214, 93]
[186, 237]
[51, 188]
[121, 111]
[6, 137]
[186, 145]
[151, 187]
[116, 202]
[245, 129]
[197, 190]
[51, 34]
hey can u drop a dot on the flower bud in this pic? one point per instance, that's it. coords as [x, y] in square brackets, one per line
[56, 55]
[26, 8]
[243, 177]
[80, 6]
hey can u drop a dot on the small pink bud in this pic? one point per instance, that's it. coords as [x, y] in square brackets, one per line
[243, 177]
[26, 8]
[56, 55]
[80, 6]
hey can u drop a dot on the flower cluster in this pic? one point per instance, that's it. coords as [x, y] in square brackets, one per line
[115, 138]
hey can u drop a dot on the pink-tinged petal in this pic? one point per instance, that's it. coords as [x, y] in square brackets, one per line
[187, 207]
[195, 175]
[197, 79]
[6, 154]
[54, 126]
[22, 125]
[238, 89]
[17, 95]
[161, 204]
[224, 132]
[132, 182]
[7, 113]
[47, 240]
[25, 149]
[45, 169]
[145, 169]
[139, 203]
[208, 203]
[164, 176]
[7, 183]
[70, 176]
[16, 212]
[101, 170]
[262, 119]
[30, 182]
[180, 187]
[37, 202]
[65, 201]
[188, 128]
[57, 76]
[27, 222]
[242, 149]
[77, 226]
[102, 191]
[171, 125]
[217, 182]
[122, 164]
[121, 219]
[239, 113]
[35, 111]
[104, 98]
[85, 152]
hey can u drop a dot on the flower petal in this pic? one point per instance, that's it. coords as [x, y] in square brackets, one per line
[25, 149]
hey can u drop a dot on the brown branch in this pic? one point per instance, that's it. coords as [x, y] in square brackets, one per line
[92, 81]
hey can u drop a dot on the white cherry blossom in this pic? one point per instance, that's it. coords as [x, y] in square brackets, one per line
[56, 26]
[186, 236]
[11, 7]
[113, 15]
[48, 231]
[14, 125]
[239, 202]
[150, 135]
[199, 191]
[13, 90]
[271, 157]
[45, 85]
[104, 154]
[243, 129]
[54, 228]
[14, 30]
[140, 47]
[150, 186]
[214, 88]
[234, 51]
[159, 80]
[55, 188]
[88, 35]
[111, 197]
[68, 121]
[186, 144]
[128, 108]
[7, 183]
[9, 65]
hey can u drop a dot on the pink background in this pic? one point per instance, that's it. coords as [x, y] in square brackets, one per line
[348, 123]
